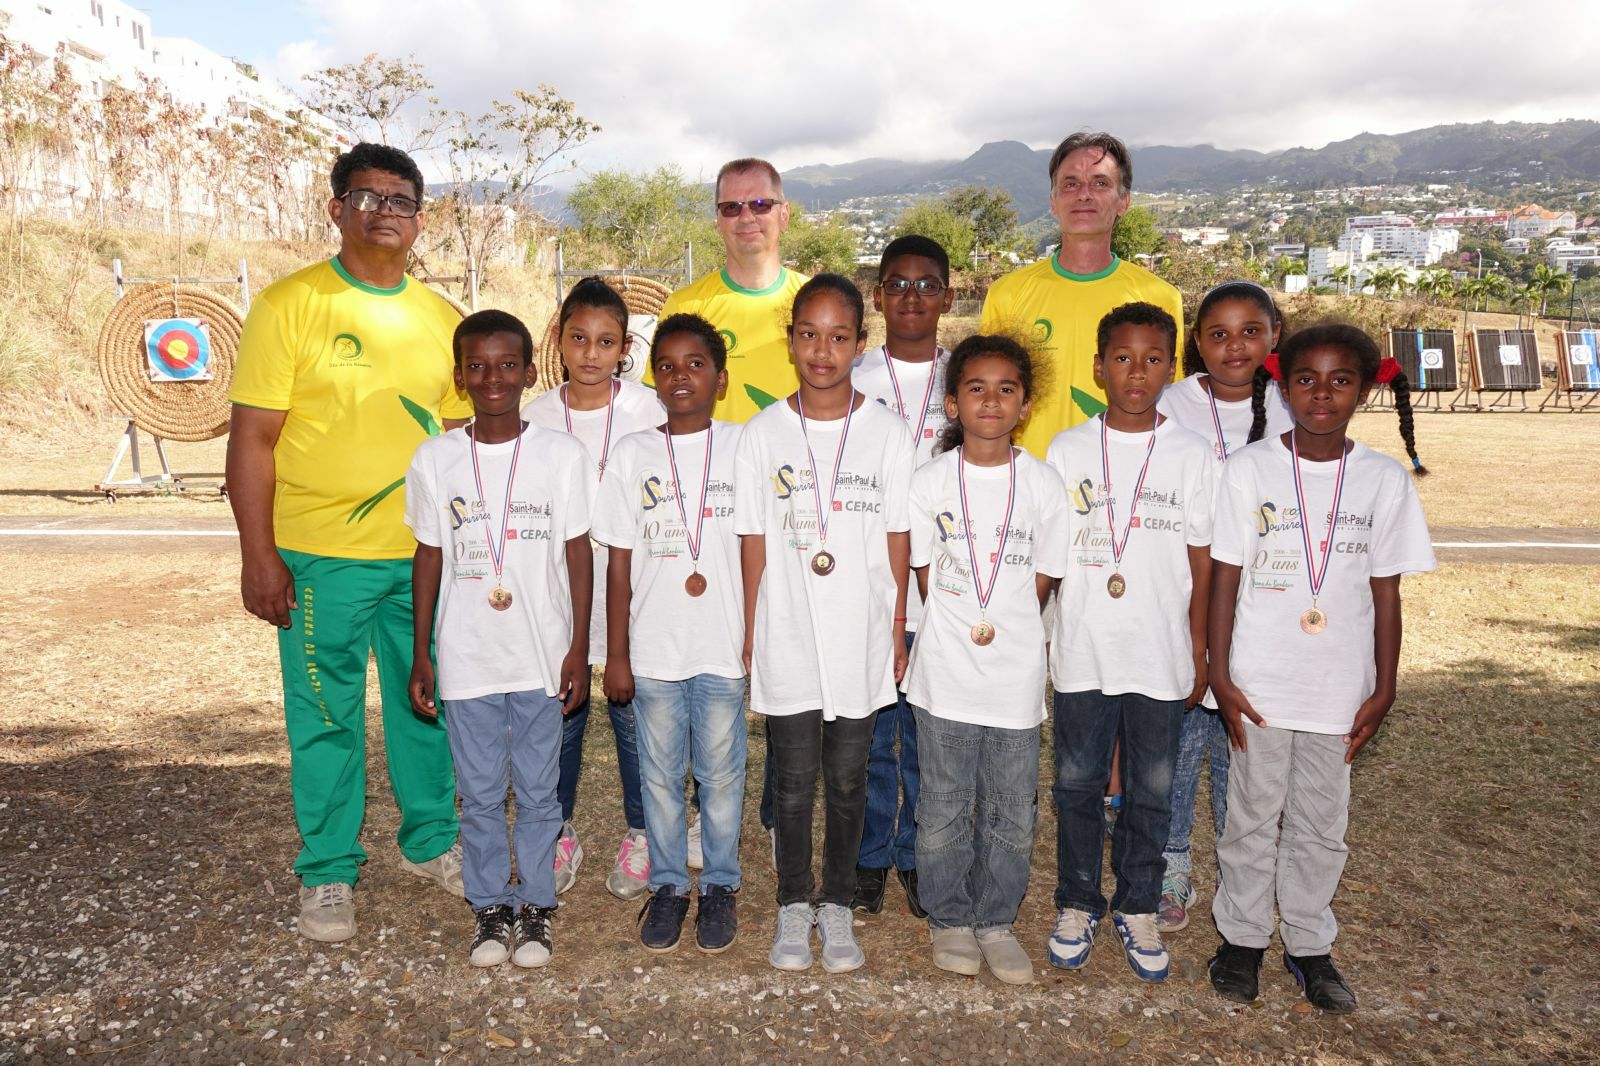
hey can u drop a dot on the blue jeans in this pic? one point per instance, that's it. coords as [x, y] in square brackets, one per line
[623, 725]
[975, 823]
[890, 836]
[698, 722]
[1202, 735]
[511, 738]
[1087, 728]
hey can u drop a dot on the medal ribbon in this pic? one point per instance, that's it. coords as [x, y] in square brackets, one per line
[1216, 420]
[1005, 528]
[1118, 547]
[927, 396]
[605, 447]
[1315, 573]
[497, 546]
[705, 490]
[833, 483]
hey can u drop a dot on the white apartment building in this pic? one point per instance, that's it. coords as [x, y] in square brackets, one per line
[1531, 220]
[1395, 236]
[1569, 257]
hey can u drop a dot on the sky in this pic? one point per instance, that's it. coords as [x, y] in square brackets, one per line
[693, 83]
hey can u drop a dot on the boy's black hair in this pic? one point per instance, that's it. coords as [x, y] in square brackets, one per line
[483, 323]
[368, 156]
[1354, 342]
[593, 292]
[1003, 347]
[716, 344]
[839, 285]
[915, 244]
[1135, 314]
[1194, 364]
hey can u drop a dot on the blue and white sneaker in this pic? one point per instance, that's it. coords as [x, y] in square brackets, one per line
[1147, 955]
[1073, 937]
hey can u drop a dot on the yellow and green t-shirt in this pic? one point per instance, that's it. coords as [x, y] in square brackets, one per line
[755, 323]
[365, 375]
[1056, 313]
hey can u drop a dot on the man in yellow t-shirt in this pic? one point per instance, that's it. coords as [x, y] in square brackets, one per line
[1056, 304]
[344, 367]
[750, 299]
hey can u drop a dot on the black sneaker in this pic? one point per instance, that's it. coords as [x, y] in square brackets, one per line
[716, 921]
[1320, 980]
[533, 936]
[661, 920]
[491, 939]
[870, 883]
[1236, 972]
[908, 880]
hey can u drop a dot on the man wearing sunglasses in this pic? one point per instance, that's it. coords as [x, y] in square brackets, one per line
[1055, 305]
[344, 367]
[749, 299]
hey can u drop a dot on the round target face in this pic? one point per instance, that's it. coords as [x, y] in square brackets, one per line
[179, 349]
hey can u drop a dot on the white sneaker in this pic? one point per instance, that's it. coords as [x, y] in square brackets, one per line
[697, 852]
[443, 870]
[1006, 959]
[328, 912]
[791, 948]
[836, 926]
[1147, 955]
[1073, 937]
[630, 874]
[569, 856]
[956, 949]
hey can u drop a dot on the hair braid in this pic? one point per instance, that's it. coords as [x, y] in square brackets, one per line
[1401, 386]
[1258, 404]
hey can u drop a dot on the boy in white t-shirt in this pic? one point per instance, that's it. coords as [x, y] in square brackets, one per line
[677, 629]
[1127, 652]
[906, 375]
[500, 510]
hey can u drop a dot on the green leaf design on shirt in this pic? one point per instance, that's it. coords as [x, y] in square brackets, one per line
[762, 400]
[430, 425]
[424, 417]
[1087, 404]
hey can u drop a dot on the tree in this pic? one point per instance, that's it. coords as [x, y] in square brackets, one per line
[994, 220]
[365, 100]
[1386, 281]
[1136, 233]
[1436, 284]
[939, 222]
[1547, 282]
[642, 220]
[816, 245]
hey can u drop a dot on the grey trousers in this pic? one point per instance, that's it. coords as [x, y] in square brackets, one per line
[1302, 779]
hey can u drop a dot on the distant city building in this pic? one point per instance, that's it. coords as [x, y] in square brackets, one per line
[1293, 251]
[1567, 258]
[1204, 236]
[1470, 216]
[1517, 245]
[1531, 220]
[1396, 236]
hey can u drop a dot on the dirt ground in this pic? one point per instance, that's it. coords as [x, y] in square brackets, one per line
[146, 844]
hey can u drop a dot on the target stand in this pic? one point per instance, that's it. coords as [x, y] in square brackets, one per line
[166, 356]
[1427, 357]
[1577, 372]
[1504, 362]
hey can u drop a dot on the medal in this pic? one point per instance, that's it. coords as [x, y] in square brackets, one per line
[695, 583]
[927, 396]
[605, 446]
[823, 562]
[499, 596]
[1117, 585]
[1315, 619]
[983, 633]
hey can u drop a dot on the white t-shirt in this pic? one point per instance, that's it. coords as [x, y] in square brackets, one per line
[1141, 642]
[917, 381]
[1189, 405]
[674, 636]
[1293, 679]
[1001, 684]
[482, 651]
[634, 408]
[824, 641]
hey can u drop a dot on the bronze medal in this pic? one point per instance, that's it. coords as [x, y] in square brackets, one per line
[1314, 621]
[983, 634]
[500, 598]
[1116, 584]
[822, 563]
[695, 584]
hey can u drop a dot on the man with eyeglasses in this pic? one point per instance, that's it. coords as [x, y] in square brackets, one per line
[748, 299]
[344, 367]
[1055, 305]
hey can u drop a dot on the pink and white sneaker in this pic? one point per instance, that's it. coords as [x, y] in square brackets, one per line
[569, 856]
[630, 874]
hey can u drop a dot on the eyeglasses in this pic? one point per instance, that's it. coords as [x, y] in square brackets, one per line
[924, 286]
[733, 208]
[369, 201]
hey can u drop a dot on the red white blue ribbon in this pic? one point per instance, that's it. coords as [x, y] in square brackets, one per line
[1216, 420]
[705, 490]
[1118, 546]
[816, 478]
[497, 545]
[1005, 527]
[611, 401]
[927, 396]
[1314, 572]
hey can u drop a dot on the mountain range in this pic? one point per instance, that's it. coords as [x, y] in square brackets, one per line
[1484, 155]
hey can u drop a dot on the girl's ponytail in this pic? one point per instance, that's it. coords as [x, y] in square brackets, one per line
[1258, 404]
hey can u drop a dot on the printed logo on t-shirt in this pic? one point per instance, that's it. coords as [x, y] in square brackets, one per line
[1279, 564]
[729, 339]
[347, 350]
[1042, 331]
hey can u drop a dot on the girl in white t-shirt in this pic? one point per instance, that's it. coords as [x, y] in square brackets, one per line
[820, 492]
[1313, 532]
[1228, 397]
[598, 407]
[988, 540]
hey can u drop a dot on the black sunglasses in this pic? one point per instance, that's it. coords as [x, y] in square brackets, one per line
[733, 208]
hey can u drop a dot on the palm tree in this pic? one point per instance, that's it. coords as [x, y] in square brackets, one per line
[1482, 290]
[1341, 276]
[1547, 282]
[1436, 284]
[1388, 280]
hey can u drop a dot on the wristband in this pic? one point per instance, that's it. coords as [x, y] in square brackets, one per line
[899, 618]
